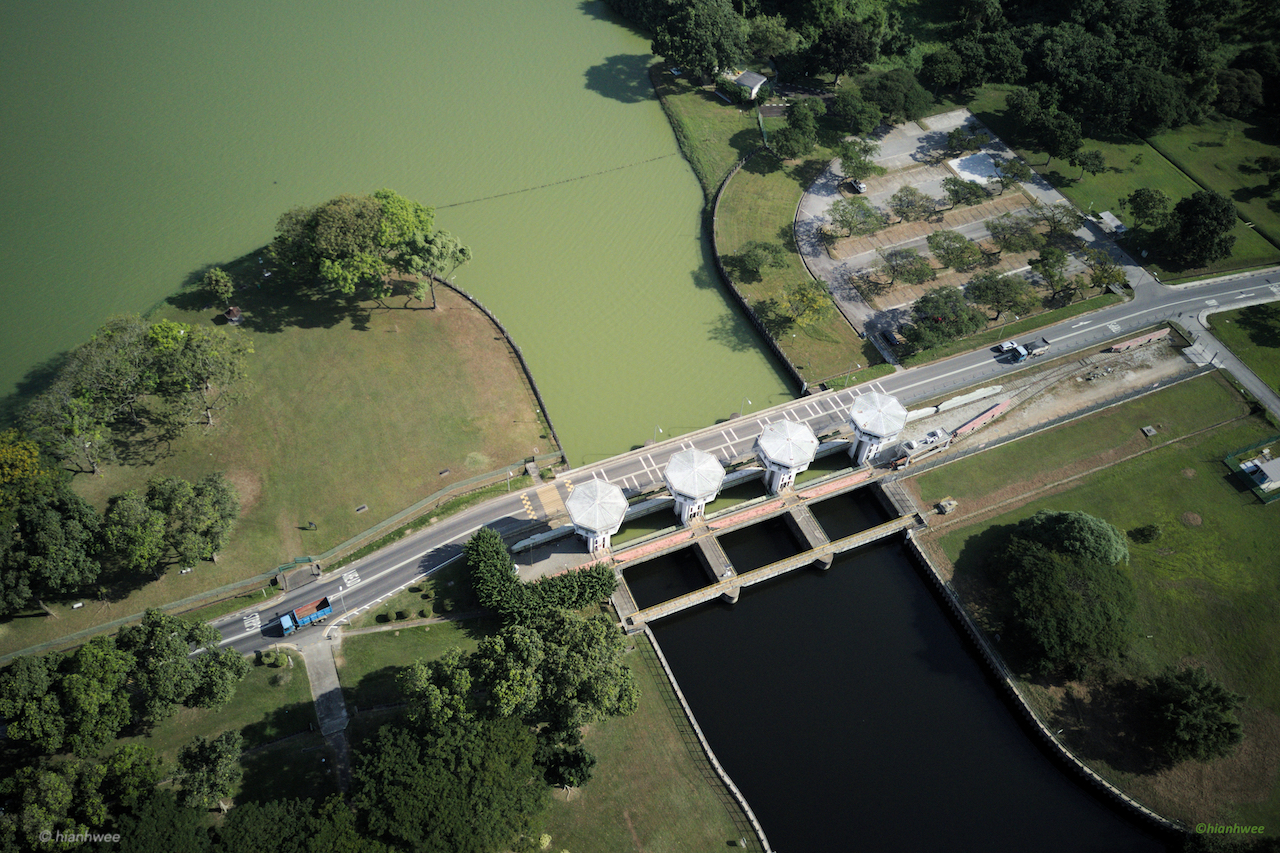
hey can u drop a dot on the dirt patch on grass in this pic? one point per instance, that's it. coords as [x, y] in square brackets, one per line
[248, 485]
[1189, 473]
[1198, 791]
[1191, 519]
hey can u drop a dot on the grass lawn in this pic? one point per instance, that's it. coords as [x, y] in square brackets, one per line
[1220, 154]
[653, 789]
[1253, 334]
[713, 134]
[300, 767]
[261, 711]
[349, 407]
[1131, 163]
[1207, 591]
[759, 203]
[1175, 411]
[370, 663]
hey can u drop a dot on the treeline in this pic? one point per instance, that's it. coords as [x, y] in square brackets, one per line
[79, 702]
[801, 37]
[54, 543]
[132, 383]
[493, 577]
[1141, 65]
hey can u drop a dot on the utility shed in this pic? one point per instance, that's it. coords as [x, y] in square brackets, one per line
[596, 509]
[1267, 475]
[694, 479]
[877, 419]
[786, 448]
[749, 80]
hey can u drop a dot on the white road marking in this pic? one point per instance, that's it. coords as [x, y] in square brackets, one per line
[1211, 302]
[1242, 295]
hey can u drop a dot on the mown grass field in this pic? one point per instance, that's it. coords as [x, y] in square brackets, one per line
[1207, 590]
[1253, 334]
[348, 406]
[370, 663]
[1221, 154]
[653, 789]
[1131, 163]
[759, 203]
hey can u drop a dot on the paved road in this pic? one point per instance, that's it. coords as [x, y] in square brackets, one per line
[526, 512]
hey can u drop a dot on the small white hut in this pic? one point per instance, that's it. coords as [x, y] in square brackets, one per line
[694, 479]
[786, 448]
[596, 509]
[877, 419]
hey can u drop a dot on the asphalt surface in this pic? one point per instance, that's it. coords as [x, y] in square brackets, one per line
[380, 575]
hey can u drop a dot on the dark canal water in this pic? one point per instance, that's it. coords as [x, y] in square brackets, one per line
[852, 716]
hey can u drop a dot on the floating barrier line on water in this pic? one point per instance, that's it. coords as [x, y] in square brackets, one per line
[556, 183]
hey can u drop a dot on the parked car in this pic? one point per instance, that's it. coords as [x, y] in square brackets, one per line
[891, 338]
[858, 186]
[1007, 345]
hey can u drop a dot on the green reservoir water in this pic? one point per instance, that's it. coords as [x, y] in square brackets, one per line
[145, 139]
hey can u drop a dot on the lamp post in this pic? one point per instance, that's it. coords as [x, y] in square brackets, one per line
[656, 429]
[343, 602]
[742, 406]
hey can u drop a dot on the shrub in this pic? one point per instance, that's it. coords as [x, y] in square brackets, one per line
[1146, 534]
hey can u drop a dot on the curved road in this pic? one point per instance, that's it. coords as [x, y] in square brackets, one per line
[400, 564]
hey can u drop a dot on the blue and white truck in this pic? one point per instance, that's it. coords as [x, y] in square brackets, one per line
[302, 616]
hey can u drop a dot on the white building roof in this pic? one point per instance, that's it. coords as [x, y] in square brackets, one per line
[878, 414]
[788, 443]
[596, 505]
[694, 474]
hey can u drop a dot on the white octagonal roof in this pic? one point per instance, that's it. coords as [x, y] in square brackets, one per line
[596, 505]
[878, 414]
[694, 474]
[788, 443]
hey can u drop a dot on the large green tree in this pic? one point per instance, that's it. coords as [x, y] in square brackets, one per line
[704, 37]
[901, 264]
[859, 115]
[208, 770]
[168, 674]
[857, 216]
[1069, 612]
[910, 204]
[1200, 228]
[942, 315]
[49, 545]
[199, 517]
[1194, 717]
[467, 789]
[954, 250]
[1002, 293]
[350, 244]
[133, 533]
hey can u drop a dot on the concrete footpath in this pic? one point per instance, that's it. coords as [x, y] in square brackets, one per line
[326, 692]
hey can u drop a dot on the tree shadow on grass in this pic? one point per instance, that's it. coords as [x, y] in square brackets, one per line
[622, 77]
[774, 317]
[302, 766]
[1111, 725]
[745, 141]
[1262, 324]
[286, 720]
[269, 302]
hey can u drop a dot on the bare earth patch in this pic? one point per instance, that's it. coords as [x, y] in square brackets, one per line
[1189, 473]
[1191, 519]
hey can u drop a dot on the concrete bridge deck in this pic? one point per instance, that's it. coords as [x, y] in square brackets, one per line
[636, 621]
